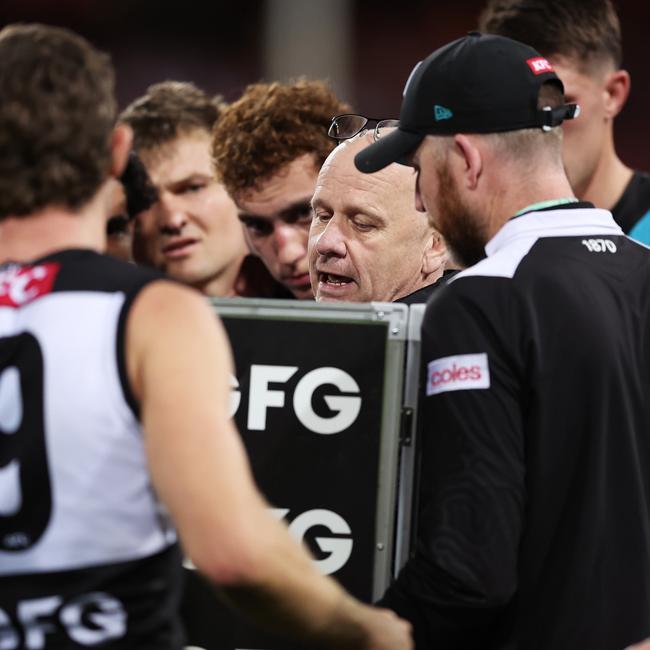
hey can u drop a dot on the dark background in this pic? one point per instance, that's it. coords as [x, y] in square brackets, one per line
[220, 46]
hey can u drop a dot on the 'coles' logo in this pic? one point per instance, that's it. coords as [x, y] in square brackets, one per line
[455, 373]
[460, 372]
[539, 65]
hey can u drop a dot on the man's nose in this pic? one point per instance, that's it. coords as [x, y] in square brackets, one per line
[331, 241]
[171, 216]
[290, 243]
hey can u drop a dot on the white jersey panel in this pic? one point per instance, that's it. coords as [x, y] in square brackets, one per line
[499, 265]
[516, 237]
[104, 509]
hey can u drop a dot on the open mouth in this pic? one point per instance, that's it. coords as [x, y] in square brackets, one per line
[333, 280]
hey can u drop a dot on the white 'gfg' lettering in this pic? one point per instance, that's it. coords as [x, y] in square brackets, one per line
[347, 407]
[109, 622]
[261, 397]
[9, 638]
[339, 549]
[33, 616]
[36, 618]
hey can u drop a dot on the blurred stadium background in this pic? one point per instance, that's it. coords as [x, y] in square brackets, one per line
[365, 47]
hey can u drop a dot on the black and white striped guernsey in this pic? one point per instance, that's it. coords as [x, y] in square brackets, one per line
[88, 557]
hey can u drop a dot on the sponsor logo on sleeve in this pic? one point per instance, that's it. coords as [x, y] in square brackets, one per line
[20, 285]
[460, 372]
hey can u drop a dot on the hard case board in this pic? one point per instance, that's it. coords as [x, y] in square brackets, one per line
[317, 397]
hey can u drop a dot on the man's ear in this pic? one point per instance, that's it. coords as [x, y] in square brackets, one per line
[468, 160]
[617, 90]
[434, 257]
[121, 142]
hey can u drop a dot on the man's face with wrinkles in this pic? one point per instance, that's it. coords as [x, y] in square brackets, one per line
[276, 218]
[367, 242]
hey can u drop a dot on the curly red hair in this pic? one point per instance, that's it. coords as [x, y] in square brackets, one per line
[269, 126]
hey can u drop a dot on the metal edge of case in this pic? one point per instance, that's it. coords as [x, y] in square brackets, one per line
[387, 493]
[394, 314]
[407, 457]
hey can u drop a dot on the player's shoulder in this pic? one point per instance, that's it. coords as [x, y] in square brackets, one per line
[487, 290]
[167, 304]
[84, 270]
[87, 270]
[503, 264]
[71, 273]
[479, 282]
[167, 316]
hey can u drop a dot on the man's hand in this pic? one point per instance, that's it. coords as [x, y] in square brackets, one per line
[356, 626]
[388, 631]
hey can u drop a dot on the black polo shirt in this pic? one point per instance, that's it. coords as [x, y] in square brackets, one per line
[535, 498]
[422, 295]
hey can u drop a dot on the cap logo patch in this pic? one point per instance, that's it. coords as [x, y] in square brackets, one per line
[539, 65]
[442, 113]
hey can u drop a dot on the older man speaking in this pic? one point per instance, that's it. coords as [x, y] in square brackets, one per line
[367, 242]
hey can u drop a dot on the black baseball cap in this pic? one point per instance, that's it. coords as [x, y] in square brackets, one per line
[481, 83]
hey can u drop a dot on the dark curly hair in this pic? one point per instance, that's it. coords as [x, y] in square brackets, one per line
[585, 30]
[57, 112]
[167, 110]
[269, 126]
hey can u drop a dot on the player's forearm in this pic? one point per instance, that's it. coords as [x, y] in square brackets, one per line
[310, 617]
[278, 587]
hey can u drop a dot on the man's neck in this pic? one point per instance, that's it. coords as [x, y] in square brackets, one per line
[52, 229]
[421, 282]
[608, 183]
[225, 284]
[509, 203]
[27, 238]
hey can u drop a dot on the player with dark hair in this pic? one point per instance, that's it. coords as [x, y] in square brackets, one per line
[134, 195]
[582, 40]
[191, 229]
